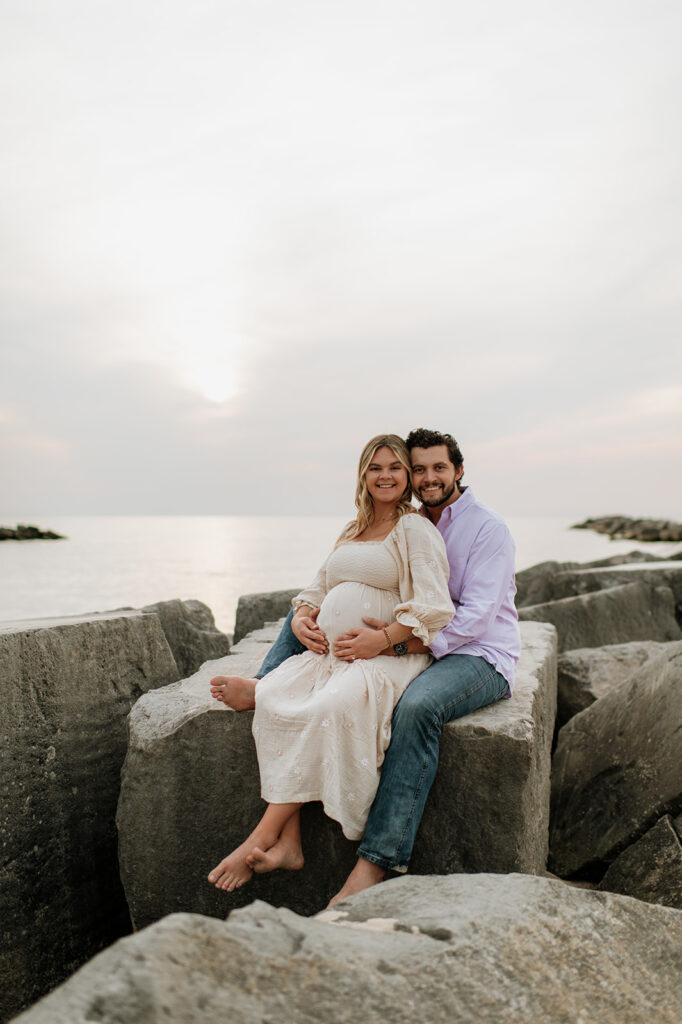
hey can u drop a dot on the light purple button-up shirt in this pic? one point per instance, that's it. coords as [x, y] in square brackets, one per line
[481, 555]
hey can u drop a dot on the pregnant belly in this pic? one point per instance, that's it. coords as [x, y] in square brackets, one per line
[347, 604]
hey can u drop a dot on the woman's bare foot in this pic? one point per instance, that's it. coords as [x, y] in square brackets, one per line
[364, 875]
[235, 691]
[233, 871]
[288, 856]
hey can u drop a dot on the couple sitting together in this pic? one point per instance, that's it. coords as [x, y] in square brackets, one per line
[409, 624]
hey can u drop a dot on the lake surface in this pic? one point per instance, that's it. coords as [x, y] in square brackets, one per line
[116, 561]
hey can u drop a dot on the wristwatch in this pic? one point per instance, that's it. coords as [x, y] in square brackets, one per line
[400, 649]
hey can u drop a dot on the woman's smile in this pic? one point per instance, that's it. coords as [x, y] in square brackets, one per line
[386, 477]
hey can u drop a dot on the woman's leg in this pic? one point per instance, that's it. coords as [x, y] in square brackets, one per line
[234, 871]
[287, 853]
[239, 692]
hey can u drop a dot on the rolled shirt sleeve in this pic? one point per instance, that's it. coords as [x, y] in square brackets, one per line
[485, 584]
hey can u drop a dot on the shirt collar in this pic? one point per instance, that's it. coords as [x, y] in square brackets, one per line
[450, 512]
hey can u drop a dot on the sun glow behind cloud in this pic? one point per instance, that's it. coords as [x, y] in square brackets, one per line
[253, 221]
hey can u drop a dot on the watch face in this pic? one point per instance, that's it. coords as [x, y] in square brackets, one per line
[400, 648]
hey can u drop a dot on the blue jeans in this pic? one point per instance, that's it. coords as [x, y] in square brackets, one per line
[285, 646]
[447, 689]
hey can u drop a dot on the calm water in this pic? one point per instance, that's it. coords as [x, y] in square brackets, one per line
[111, 562]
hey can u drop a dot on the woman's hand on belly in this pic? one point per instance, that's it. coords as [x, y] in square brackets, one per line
[307, 631]
[360, 643]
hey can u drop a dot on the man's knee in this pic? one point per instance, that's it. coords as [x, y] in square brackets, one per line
[415, 710]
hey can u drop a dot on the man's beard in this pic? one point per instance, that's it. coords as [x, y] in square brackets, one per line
[435, 502]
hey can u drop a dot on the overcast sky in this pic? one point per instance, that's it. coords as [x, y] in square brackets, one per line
[239, 239]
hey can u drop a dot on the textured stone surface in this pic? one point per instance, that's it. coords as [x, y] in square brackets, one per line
[471, 949]
[254, 610]
[617, 767]
[585, 580]
[488, 809]
[635, 611]
[634, 529]
[589, 673]
[67, 687]
[650, 869]
[191, 633]
[536, 584]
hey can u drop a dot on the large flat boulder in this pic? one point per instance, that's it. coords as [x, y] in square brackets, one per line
[67, 687]
[255, 610]
[488, 809]
[191, 633]
[617, 768]
[585, 580]
[651, 868]
[588, 673]
[635, 611]
[478, 948]
[536, 584]
[190, 793]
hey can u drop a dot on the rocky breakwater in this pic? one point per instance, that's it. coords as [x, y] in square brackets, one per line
[190, 793]
[625, 528]
[616, 816]
[67, 687]
[23, 532]
[470, 948]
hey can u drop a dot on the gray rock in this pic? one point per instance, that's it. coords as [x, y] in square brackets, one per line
[67, 688]
[635, 611]
[255, 610]
[488, 809]
[586, 580]
[634, 529]
[650, 869]
[191, 633]
[617, 768]
[588, 673]
[536, 585]
[489, 948]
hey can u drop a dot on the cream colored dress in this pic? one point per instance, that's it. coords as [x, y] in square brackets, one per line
[322, 725]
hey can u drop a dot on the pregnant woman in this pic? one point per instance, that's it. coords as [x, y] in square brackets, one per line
[323, 720]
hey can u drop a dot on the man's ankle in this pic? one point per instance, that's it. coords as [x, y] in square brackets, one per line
[368, 867]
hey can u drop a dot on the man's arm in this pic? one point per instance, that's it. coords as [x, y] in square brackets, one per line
[487, 578]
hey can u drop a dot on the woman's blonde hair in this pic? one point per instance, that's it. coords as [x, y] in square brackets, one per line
[363, 500]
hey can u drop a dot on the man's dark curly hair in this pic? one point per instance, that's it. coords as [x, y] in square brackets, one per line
[423, 438]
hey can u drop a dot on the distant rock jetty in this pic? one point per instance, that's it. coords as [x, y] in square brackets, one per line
[23, 532]
[624, 528]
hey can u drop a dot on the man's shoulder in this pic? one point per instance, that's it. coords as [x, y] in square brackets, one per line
[487, 515]
[475, 512]
[478, 521]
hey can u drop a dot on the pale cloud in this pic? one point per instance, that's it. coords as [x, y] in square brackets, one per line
[237, 229]
[660, 402]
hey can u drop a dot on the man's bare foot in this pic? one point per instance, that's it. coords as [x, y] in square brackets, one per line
[364, 875]
[235, 691]
[288, 856]
[233, 871]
